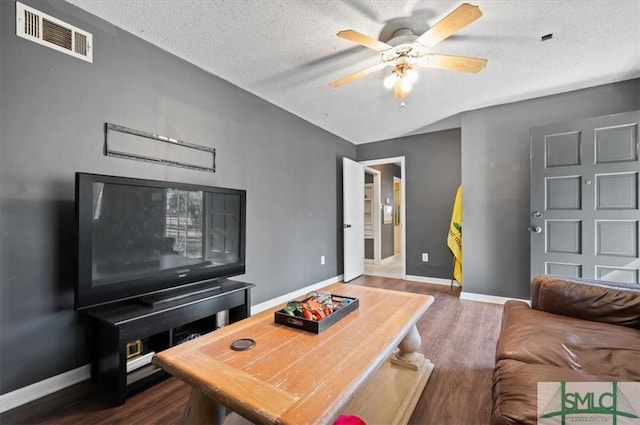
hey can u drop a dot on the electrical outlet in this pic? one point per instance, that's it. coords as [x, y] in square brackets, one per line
[425, 257]
[322, 260]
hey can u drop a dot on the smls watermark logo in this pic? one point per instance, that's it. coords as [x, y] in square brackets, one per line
[562, 403]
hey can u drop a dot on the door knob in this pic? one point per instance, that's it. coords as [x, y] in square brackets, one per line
[346, 226]
[536, 229]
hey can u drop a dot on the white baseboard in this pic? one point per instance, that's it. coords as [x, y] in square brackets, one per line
[295, 294]
[434, 280]
[492, 299]
[49, 386]
[469, 296]
[43, 388]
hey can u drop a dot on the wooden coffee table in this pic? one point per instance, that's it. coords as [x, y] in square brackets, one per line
[366, 364]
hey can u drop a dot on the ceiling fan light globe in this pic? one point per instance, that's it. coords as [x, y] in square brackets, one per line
[389, 81]
[411, 76]
[406, 85]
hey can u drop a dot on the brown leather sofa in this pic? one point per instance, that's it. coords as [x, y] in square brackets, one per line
[576, 330]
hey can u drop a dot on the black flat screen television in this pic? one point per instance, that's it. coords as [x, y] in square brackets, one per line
[138, 238]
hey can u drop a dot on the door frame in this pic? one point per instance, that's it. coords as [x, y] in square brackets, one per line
[403, 201]
[398, 181]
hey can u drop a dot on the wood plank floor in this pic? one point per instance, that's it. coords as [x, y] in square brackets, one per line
[458, 336]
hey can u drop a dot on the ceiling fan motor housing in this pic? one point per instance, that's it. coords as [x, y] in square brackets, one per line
[402, 36]
[405, 50]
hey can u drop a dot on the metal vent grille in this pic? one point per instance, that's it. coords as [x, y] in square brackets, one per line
[56, 34]
[81, 44]
[51, 32]
[31, 24]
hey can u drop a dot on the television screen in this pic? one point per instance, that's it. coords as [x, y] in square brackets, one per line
[137, 237]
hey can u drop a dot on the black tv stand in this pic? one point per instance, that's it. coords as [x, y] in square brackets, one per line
[157, 327]
[178, 294]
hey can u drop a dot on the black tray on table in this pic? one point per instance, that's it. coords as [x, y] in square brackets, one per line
[317, 326]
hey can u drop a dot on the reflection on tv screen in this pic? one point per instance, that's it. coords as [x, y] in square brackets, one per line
[139, 231]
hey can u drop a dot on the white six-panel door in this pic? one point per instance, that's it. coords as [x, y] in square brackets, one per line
[585, 191]
[353, 216]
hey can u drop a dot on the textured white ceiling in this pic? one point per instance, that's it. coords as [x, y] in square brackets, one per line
[286, 52]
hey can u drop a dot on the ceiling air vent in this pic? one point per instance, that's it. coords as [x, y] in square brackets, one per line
[51, 32]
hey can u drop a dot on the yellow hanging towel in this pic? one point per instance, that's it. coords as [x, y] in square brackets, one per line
[454, 239]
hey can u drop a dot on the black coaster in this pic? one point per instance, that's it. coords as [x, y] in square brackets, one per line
[243, 344]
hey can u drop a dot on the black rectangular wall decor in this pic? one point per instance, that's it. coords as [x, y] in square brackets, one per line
[123, 142]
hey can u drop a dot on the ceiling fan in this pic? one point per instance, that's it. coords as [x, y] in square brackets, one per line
[406, 51]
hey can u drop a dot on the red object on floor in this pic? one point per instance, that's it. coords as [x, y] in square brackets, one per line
[349, 420]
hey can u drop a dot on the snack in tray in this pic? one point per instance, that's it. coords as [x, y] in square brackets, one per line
[316, 306]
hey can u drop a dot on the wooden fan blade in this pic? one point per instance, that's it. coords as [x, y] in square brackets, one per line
[453, 22]
[363, 40]
[453, 63]
[356, 75]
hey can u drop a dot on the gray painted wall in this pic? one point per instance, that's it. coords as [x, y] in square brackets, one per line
[53, 110]
[432, 176]
[495, 177]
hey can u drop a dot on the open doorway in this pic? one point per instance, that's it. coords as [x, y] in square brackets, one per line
[385, 248]
[372, 216]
